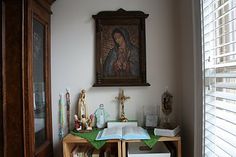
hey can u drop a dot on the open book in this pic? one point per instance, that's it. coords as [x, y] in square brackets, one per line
[126, 133]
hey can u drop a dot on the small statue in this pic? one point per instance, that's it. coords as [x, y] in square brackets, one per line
[92, 120]
[89, 126]
[101, 116]
[78, 126]
[82, 109]
[166, 101]
[84, 122]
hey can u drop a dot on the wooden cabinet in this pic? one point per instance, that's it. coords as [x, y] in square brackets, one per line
[176, 140]
[1, 78]
[26, 112]
[39, 98]
[70, 141]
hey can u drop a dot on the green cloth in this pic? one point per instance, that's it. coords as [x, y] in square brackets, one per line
[153, 139]
[91, 137]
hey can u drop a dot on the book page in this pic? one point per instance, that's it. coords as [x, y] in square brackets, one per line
[131, 132]
[110, 133]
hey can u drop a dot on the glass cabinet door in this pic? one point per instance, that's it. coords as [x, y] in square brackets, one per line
[41, 140]
[39, 83]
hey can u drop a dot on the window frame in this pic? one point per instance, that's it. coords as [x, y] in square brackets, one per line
[198, 80]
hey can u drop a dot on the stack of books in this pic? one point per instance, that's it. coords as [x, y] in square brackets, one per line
[84, 151]
[170, 131]
[109, 152]
[141, 150]
[88, 151]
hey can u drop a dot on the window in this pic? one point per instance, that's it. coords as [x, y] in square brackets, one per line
[219, 69]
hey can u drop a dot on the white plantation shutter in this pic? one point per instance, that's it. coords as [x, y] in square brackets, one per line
[219, 69]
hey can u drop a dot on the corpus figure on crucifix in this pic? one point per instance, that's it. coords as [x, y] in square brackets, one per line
[122, 98]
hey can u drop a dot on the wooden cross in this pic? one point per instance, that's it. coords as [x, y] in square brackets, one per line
[122, 98]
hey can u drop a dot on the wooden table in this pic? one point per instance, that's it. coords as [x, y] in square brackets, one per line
[176, 140]
[70, 141]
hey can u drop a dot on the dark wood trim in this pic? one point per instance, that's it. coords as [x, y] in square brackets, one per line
[112, 85]
[14, 89]
[16, 74]
[27, 66]
[50, 2]
[37, 12]
[120, 13]
[1, 77]
[44, 5]
[45, 149]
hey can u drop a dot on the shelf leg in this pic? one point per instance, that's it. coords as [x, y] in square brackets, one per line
[123, 149]
[179, 148]
[119, 149]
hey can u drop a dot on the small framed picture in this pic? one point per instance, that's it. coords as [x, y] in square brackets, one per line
[120, 48]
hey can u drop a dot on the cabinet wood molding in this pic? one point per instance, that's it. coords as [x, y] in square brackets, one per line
[17, 93]
[1, 76]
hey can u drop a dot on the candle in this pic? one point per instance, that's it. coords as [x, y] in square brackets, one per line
[61, 118]
[68, 109]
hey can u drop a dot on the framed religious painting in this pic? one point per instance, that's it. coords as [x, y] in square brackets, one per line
[120, 48]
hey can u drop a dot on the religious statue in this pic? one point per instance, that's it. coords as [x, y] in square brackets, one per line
[101, 117]
[77, 125]
[166, 101]
[82, 108]
[83, 123]
[91, 122]
[122, 98]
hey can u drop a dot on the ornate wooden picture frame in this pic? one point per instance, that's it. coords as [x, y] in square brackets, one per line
[120, 48]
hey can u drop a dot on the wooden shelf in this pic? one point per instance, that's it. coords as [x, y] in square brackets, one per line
[70, 141]
[176, 140]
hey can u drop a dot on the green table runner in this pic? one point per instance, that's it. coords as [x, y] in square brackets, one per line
[91, 137]
[153, 139]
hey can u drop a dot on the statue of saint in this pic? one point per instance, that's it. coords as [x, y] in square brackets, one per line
[101, 116]
[82, 109]
[166, 100]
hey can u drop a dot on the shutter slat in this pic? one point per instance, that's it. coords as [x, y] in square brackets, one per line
[225, 75]
[219, 143]
[215, 149]
[224, 95]
[221, 123]
[223, 115]
[226, 85]
[222, 133]
[223, 105]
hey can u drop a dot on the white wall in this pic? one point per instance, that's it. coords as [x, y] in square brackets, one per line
[73, 58]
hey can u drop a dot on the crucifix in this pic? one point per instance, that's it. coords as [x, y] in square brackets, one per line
[122, 98]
